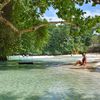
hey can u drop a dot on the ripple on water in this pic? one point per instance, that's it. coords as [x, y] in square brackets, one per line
[52, 83]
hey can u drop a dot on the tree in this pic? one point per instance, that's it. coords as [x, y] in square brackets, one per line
[65, 41]
[20, 17]
[39, 7]
[15, 22]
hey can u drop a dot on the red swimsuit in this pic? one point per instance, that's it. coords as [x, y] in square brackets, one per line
[83, 61]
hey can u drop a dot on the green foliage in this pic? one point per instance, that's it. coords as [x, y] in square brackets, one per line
[7, 41]
[27, 16]
[40, 37]
[24, 14]
[63, 41]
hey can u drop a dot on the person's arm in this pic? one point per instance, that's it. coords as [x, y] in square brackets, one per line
[84, 61]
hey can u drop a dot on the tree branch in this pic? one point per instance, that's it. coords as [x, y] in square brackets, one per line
[9, 24]
[14, 29]
[4, 4]
[96, 1]
[31, 29]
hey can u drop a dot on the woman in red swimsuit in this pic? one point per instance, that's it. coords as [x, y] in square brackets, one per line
[84, 60]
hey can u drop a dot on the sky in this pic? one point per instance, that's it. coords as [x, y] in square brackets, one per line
[90, 10]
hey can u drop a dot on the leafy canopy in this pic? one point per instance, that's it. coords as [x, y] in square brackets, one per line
[23, 29]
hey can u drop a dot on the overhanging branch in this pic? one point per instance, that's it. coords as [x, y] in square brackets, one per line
[2, 5]
[31, 29]
[14, 29]
[9, 24]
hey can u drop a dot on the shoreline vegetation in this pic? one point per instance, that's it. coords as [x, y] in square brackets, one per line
[92, 59]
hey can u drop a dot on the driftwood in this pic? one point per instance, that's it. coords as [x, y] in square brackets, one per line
[25, 63]
[3, 58]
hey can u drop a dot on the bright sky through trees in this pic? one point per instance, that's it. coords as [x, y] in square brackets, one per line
[90, 10]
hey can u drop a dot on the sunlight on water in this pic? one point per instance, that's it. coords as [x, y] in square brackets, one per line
[47, 81]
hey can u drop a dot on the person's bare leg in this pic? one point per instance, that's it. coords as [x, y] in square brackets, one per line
[78, 62]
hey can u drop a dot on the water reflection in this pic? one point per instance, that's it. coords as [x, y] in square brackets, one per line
[71, 94]
[14, 65]
[48, 81]
[8, 96]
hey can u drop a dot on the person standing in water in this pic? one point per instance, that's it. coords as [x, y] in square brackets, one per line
[83, 62]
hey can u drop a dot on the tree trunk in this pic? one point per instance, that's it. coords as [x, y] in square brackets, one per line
[3, 58]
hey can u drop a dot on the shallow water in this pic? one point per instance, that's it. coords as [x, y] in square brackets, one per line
[47, 81]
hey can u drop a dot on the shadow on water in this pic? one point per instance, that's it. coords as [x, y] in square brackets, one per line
[8, 96]
[70, 95]
[13, 65]
[33, 98]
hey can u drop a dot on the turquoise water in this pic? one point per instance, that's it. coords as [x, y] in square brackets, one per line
[47, 81]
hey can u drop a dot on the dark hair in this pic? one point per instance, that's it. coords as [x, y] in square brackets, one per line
[83, 54]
